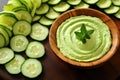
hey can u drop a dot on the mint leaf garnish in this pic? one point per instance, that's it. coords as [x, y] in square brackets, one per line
[83, 34]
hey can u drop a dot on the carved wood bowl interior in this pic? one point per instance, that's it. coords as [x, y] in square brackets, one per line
[90, 12]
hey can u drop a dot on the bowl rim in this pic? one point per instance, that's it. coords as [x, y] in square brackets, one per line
[74, 12]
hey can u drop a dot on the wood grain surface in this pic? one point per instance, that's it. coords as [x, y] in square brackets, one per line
[56, 69]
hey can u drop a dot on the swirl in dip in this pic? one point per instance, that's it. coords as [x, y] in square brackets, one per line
[95, 47]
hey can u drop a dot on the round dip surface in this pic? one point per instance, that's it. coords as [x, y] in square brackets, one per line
[94, 48]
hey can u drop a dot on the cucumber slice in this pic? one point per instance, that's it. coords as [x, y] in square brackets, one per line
[61, 7]
[53, 2]
[19, 43]
[117, 15]
[22, 8]
[7, 30]
[116, 2]
[52, 14]
[39, 32]
[43, 9]
[35, 50]
[28, 4]
[22, 27]
[104, 3]
[45, 21]
[91, 1]
[81, 5]
[112, 9]
[36, 18]
[45, 1]
[31, 68]
[6, 13]
[33, 11]
[14, 66]
[8, 7]
[36, 3]
[15, 2]
[6, 54]
[24, 15]
[5, 34]
[2, 41]
[12, 7]
[12, 4]
[7, 19]
[73, 2]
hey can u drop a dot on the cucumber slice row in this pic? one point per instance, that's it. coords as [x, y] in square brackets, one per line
[58, 5]
[108, 6]
[17, 17]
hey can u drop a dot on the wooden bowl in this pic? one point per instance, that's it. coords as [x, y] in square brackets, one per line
[90, 12]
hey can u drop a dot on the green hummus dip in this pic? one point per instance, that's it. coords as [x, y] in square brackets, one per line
[95, 47]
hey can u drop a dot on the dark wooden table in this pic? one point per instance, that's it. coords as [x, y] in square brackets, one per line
[56, 69]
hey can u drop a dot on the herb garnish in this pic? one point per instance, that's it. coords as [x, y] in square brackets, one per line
[83, 34]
